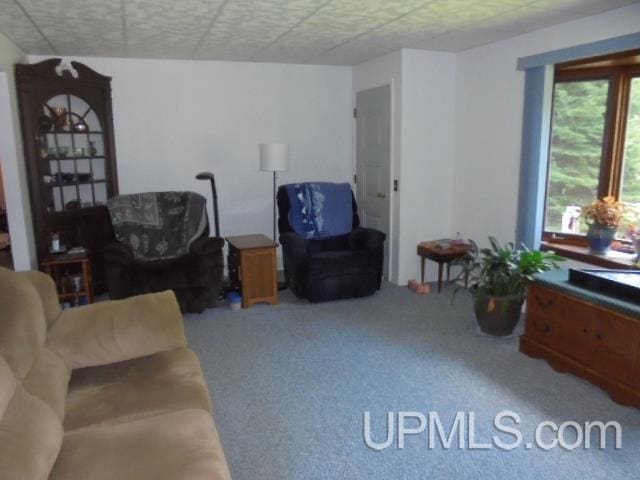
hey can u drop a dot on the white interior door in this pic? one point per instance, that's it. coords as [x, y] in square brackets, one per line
[373, 161]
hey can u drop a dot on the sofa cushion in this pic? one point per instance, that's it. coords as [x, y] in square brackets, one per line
[117, 330]
[48, 380]
[173, 446]
[8, 385]
[140, 387]
[23, 324]
[30, 432]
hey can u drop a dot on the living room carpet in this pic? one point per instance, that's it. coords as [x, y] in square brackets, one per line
[291, 383]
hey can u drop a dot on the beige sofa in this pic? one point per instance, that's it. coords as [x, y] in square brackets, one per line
[104, 391]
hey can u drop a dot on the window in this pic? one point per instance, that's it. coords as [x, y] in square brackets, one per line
[595, 141]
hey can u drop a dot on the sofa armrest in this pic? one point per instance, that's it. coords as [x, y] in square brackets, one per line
[205, 246]
[118, 330]
[366, 239]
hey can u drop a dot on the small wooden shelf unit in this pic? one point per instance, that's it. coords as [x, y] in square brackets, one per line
[252, 268]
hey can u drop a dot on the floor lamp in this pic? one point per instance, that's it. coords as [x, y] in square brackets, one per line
[274, 157]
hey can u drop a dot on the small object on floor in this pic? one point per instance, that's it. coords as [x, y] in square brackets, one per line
[235, 300]
[417, 287]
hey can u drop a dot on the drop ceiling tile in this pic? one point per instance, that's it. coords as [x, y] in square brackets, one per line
[589, 7]
[19, 29]
[335, 24]
[167, 28]
[244, 27]
[434, 18]
[452, 14]
[374, 44]
[80, 27]
[528, 18]
[352, 55]
[460, 40]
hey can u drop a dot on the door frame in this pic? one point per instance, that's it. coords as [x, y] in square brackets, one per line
[394, 166]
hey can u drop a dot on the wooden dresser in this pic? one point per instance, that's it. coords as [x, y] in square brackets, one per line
[591, 340]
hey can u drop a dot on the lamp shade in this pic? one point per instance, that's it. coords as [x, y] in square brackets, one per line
[274, 157]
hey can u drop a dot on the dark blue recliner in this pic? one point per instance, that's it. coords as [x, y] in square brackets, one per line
[333, 268]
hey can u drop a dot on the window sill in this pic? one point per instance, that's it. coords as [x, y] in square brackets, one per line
[612, 259]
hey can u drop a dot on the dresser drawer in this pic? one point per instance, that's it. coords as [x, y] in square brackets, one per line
[576, 339]
[544, 302]
[607, 329]
[542, 329]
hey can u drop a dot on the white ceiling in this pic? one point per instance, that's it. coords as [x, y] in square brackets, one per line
[337, 32]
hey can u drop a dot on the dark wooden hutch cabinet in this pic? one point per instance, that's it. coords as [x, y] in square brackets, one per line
[69, 148]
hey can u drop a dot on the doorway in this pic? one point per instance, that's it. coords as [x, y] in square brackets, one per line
[373, 161]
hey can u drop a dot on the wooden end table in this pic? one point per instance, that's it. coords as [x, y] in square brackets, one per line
[252, 268]
[63, 268]
[431, 250]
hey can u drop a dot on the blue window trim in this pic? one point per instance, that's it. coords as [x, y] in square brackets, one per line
[536, 125]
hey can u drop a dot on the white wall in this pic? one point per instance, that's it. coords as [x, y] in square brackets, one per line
[174, 119]
[12, 161]
[422, 148]
[428, 107]
[488, 121]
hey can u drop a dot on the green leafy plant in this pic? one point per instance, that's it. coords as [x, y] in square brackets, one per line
[503, 270]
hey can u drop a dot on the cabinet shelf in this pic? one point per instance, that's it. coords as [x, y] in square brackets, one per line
[65, 296]
[67, 132]
[71, 157]
[73, 184]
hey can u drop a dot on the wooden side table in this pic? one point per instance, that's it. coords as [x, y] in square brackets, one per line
[252, 268]
[432, 251]
[63, 268]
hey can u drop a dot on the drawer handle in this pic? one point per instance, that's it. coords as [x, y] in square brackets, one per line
[543, 303]
[544, 328]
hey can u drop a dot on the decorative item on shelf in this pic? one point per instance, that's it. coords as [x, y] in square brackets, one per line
[72, 205]
[61, 117]
[54, 244]
[93, 151]
[79, 126]
[603, 217]
[457, 240]
[83, 177]
[499, 277]
[79, 151]
[45, 123]
[63, 151]
[633, 233]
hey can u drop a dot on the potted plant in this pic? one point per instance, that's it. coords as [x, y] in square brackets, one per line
[498, 279]
[633, 233]
[603, 217]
